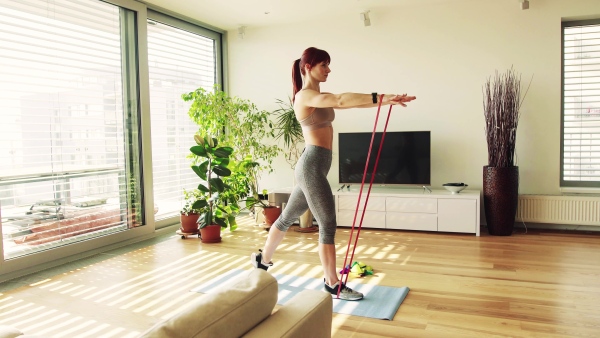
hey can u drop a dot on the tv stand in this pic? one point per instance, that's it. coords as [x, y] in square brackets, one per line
[411, 209]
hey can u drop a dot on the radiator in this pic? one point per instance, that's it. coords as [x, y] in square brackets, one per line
[580, 210]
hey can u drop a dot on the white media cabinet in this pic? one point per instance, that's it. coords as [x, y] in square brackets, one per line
[411, 209]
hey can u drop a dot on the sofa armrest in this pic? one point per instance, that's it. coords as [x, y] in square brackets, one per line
[228, 311]
[308, 314]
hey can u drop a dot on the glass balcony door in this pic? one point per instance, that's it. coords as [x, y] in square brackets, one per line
[69, 140]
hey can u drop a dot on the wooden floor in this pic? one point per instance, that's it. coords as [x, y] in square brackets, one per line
[535, 284]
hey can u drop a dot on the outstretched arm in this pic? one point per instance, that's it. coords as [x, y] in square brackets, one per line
[400, 99]
[313, 98]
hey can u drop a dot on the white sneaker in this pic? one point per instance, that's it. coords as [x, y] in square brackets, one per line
[346, 293]
[256, 260]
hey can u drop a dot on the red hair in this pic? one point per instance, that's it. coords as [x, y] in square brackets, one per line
[311, 56]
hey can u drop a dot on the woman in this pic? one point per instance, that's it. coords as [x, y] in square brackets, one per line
[314, 111]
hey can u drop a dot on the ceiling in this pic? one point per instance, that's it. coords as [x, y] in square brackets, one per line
[231, 14]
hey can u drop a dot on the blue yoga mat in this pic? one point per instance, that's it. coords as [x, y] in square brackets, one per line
[380, 302]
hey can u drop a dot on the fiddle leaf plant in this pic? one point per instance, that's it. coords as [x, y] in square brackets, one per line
[211, 163]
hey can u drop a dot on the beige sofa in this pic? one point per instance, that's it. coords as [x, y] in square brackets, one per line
[9, 332]
[244, 307]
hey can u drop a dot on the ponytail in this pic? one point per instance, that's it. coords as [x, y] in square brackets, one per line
[296, 79]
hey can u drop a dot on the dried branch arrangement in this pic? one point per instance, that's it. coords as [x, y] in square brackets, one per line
[501, 106]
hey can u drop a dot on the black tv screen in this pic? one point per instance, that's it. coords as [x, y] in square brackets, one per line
[405, 158]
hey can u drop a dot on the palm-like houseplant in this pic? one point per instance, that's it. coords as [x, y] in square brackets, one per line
[289, 129]
[501, 106]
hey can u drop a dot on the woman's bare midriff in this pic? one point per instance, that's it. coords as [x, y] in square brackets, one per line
[322, 137]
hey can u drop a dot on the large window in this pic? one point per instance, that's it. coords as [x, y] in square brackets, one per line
[181, 59]
[92, 125]
[69, 148]
[580, 137]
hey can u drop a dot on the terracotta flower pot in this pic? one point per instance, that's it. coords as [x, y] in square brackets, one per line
[271, 214]
[211, 233]
[189, 223]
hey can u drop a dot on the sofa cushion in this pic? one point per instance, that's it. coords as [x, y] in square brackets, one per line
[9, 332]
[229, 311]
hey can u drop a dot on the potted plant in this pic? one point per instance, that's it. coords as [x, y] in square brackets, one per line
[216, 206]
[501, 106]
[237, 123]
[289, 129]
[271, 212]
[189, 216]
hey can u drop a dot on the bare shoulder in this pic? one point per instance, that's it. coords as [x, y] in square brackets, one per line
[315, 99]
[306, 94]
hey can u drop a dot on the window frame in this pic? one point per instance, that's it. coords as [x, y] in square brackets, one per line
[565, 185]
[177, 21]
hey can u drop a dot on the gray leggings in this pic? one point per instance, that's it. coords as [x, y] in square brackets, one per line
[312, 191]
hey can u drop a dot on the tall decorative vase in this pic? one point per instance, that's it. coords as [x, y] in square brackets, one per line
[500, 198]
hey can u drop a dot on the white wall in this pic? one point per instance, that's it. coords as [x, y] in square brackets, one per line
[441, 53]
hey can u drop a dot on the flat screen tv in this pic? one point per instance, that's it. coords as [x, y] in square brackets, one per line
[405, 158]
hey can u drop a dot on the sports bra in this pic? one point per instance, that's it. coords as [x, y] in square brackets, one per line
[320, 118]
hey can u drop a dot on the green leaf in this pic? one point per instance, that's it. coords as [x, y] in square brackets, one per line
[208, 219]
[223, 210]
[216, 184]
[250, 201]
[221, 221]
[235, 207]
[202, 187]
[200, 171]
[205, 219]
[222, 171]
[203, 169]
[224, 162]
[223, 152]
[199, 204]
[199, 151]
[196, 169]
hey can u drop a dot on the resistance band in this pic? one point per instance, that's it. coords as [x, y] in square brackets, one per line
[343, 278]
